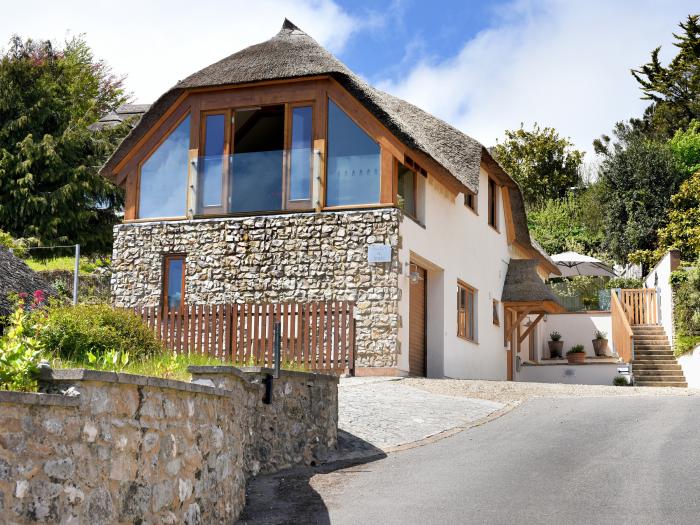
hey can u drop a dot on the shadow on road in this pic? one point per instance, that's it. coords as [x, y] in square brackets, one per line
[287, 497]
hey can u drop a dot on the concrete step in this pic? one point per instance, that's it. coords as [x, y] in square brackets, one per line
[652, 351]
[680, 384]
[650, 341]
[647, 346]
[661, 379]
[647, 373]
[652, 358]
[657, 366]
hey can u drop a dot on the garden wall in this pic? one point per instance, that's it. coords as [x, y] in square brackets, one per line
[102, 447]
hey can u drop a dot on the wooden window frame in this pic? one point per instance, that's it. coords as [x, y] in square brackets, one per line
[461, 285]
[158, 144]
[397, 166]
[493, 209]
[225, 170]
[496, 306]
[473, 197]
[166, 280]
[287, 203]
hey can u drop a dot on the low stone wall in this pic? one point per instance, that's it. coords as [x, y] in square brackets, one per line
[101, 447]
[297, 257]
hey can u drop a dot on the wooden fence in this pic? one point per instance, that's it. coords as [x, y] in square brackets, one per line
[640, 305]
[622, 335]
[315, 336]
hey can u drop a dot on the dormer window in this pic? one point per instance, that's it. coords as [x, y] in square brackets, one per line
[353, 162]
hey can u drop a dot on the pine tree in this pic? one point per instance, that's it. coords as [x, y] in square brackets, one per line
[49, 156]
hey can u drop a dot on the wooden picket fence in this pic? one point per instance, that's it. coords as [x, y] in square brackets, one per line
[315, 336]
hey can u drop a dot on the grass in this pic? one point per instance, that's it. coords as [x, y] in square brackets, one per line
[168, 366]
[61, 263]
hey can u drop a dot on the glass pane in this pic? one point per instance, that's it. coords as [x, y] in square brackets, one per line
[470, 314]
[300, 172]
[163, 182]
[353, 162]
[256, 177]
[212, 164]
[407, 190]
[174, 291]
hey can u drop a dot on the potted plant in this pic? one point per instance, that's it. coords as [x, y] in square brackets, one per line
[600, 343]
[576, 354]
[556, 345]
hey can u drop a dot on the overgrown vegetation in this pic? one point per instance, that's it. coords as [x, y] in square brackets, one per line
[686, 306]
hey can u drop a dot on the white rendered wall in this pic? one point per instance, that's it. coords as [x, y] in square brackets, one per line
[456, 244]
[690, 363]
[588, 374]
[659, 278]
[576, 328]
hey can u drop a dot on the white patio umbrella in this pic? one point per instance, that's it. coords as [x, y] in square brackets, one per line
[572, 263]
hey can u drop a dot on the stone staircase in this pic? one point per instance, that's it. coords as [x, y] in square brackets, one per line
[654, 363]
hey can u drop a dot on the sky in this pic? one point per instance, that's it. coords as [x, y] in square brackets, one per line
[483, 66]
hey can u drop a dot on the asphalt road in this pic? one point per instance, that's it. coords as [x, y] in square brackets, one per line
[572, 461]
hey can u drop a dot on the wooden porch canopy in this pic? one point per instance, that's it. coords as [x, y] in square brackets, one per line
[524, 294]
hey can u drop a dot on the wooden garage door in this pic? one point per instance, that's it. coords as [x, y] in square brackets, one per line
[416, 325]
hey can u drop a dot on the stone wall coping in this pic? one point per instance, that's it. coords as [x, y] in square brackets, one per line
[378, 209]
[82, 374]
[35, 398]
[244, 372]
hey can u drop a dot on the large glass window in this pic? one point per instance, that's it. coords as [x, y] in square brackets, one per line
[213, 163]
[258, 146]
[174, 283]
[300, 154]
[163, 176]
[353, 162]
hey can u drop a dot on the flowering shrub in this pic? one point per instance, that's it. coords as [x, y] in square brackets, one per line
[19, 352]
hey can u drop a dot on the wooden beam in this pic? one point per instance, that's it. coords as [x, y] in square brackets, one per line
[518, 320]
[531, 327]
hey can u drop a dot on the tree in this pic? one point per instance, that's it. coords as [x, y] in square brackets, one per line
[682, 231]
[49, 158]
[545, 165]
[674, 90]
[685, 146]
[638, 178]
[563, 224]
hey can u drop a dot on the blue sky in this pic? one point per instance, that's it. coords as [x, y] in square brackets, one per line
[482, 66]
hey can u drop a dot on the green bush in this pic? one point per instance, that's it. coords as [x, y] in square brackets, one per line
[686, 308]
[620, 381]
[576, 349]
[624, 282]
[76, 332]
[19, 353]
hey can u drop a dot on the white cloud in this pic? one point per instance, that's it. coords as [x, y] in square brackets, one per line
[160, 42]
[561, 63]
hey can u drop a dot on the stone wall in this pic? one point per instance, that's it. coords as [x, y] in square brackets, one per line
[122, 448]
[276, 258]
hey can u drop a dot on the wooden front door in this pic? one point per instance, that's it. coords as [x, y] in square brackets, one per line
[416, 325]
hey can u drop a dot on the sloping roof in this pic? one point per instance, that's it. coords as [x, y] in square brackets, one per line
[16, 277]
[294, 54]
[132, 112]
[524, 285]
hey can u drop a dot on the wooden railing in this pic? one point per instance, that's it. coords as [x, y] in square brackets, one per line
[622, 335]
[317, 336]
[640, 305]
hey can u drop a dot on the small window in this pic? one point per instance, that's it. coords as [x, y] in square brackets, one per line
[466, 312]
[407, 190]
[493, 204]
[353, 162]
[470, 201]
[174, 283]
[496, 313]
[163, 176]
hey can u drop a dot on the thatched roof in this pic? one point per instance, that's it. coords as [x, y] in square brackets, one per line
[524, 285]
[16, 277]
[126, 112]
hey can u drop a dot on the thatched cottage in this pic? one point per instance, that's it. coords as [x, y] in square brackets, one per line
[277, 175]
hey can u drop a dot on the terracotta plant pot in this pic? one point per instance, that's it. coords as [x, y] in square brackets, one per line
[600, 346]
[576, 357]
[555, 348]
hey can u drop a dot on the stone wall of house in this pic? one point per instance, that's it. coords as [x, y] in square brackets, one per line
[100, 447]
[278, 258]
